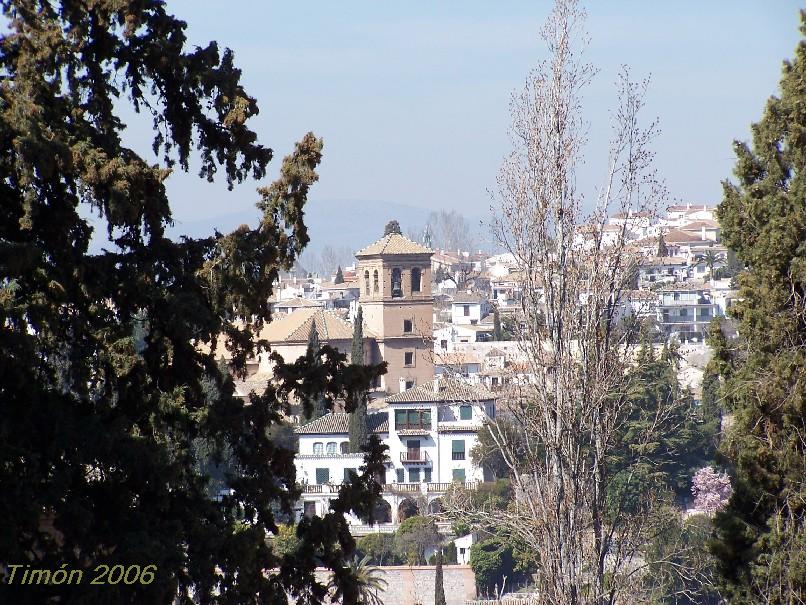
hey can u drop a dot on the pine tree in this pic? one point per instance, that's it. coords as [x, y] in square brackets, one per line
[110, 390]
[392, 227]
[359, 432]
[439, 588]
[498, 333]
[761, 537]
[339, 276]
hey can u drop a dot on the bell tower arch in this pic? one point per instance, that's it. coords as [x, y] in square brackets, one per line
[398, 306]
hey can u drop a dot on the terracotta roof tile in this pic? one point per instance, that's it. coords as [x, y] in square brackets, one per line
[449, 390]
[394, 243]
[296, 326]
[338, 424]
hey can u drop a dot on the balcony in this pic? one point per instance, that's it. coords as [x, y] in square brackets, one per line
[415, 456]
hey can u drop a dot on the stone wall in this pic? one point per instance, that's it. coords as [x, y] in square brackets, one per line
[415, 585]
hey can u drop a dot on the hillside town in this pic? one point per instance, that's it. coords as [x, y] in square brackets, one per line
[398, 304]
[447, 323]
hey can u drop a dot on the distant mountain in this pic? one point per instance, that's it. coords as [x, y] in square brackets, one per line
[352, 223]
[335, 223]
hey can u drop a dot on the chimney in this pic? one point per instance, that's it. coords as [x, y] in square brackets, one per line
[702, 232]
[402, 384]
[436, 384]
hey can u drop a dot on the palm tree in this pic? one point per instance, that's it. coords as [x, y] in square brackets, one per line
[710, 258]
[368, 580]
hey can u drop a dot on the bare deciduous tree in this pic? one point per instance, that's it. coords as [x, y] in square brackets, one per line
[575, 268]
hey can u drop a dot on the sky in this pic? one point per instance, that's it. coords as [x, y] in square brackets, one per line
[412, 98]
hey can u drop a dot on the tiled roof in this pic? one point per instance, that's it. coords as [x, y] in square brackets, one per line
[338, 424]
[454, 359]
[449, 390]
[296, 326]
[394, 243]
[697, 225]
[655, 261]
[293, 303]
[678, 236]
[257, 383]
[467, 298]
[686, 286]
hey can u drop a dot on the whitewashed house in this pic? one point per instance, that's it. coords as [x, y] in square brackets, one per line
[685, 309]
[468, 309]
[429, 430]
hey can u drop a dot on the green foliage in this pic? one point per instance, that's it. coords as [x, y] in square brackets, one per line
[761, 543]
[339, 276]
[314, 405]
[285, 541]
[380, 548]
[414, 536]
[498, 332]
[663, 438]
[682, 572]
[114, 405]
[358, 429]
[486, 453]
[366, 584]
[392, 227]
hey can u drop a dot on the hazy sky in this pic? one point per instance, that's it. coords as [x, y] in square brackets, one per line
[412, 97]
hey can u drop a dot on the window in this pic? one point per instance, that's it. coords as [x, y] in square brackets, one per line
[350, 474]
[466, 310]
[408, 358]
[458, 449]
[459, 474]
[366, 282]
[427, 473]
[412, 419]
[443, 344]
[375, 281]
[331, 448]
[397, 283]
[400, 477]
[344, 447]
[322, 475]
[317, 448]
[465, 412]
[676, 296]
[683, 312]
[414, 475]
[415, 280]
[407, 325]
[409, 384]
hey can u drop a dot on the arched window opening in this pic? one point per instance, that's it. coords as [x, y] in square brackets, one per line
[397, 283]
[366, 282]
[415, 280]
[375, 282]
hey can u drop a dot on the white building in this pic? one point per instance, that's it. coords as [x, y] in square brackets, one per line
[468, 309]
[429, 430]
[661, 269]
[685, 310]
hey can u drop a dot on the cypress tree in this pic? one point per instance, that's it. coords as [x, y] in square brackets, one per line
[317, 406]
[439, 588]
[359, 432]
[339, 276]
[498, 333]
[761, 538]
[663, 250]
